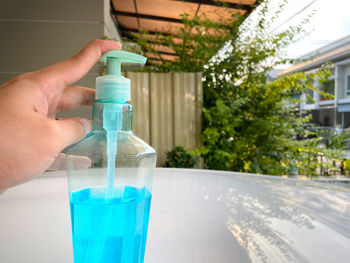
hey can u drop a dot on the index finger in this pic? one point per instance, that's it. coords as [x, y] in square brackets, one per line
[71, 70]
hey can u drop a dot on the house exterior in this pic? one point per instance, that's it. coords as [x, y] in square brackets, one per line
[327, 112]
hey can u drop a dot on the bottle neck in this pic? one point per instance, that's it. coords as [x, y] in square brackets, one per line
[112, 114]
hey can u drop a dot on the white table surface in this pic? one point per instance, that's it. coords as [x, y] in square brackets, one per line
[197, 216]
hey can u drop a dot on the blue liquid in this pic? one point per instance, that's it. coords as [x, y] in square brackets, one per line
[113, 230]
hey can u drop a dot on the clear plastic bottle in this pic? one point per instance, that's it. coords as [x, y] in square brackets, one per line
[110, 175]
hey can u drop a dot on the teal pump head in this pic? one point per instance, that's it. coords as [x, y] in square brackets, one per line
[113, 87]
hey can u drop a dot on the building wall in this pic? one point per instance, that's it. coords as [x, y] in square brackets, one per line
[342, 71]
[346, 73]
[328, 117]
[38, 33]
[339, 82]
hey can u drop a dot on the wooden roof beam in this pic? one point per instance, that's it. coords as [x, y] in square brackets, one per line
[138, 15]
[243, 6]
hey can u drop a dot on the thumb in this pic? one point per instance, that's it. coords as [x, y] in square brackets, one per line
[72, 130]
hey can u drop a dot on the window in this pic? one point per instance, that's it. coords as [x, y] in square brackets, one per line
[348, 86]
[310, 96]
[328, 87]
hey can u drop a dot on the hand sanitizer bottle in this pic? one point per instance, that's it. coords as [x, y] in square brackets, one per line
[110, 174]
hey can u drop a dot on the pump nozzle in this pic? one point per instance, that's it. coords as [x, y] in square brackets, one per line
[114, 59]
[113, 87]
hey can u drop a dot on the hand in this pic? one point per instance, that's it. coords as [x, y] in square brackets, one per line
[30, 137]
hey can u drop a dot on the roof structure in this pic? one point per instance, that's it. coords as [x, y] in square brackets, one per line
[157, 16]
[334, 52]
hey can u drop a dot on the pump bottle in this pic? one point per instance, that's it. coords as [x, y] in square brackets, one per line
[110, 174]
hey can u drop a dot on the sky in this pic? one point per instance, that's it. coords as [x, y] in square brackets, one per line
[330, 22]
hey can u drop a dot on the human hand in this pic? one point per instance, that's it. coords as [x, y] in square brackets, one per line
[30, 137]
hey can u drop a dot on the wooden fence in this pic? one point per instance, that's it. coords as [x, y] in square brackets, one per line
[167, 111]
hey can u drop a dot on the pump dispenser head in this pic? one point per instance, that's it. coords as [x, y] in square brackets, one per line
[113, 87]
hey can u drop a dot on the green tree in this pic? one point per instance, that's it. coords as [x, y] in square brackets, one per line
[250, 124]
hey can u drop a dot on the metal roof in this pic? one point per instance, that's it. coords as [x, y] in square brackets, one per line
[157, 16]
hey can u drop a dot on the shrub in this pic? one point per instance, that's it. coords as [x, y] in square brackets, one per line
[180, 158]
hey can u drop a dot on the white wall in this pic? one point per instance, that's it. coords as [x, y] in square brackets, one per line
[110, 29]
[346, 72]
[339, 82]
[37, 33]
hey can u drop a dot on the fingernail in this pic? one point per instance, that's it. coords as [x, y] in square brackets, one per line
[87, 125]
